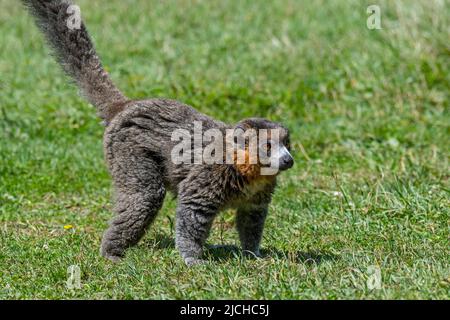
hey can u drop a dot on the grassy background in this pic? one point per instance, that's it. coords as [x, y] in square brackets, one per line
[369, 115]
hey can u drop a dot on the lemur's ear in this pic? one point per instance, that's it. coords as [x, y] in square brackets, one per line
[244, 125]
[239, 137]
[243, 132]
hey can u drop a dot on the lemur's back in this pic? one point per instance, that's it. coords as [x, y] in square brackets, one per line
[76, 54]
[150, 124]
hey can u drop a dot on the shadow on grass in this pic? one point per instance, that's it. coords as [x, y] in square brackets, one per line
[225, 252]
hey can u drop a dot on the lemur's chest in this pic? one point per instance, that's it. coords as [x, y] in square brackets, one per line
[255, 187]
[256, 191]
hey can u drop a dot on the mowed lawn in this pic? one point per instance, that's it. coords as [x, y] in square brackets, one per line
[369, 116]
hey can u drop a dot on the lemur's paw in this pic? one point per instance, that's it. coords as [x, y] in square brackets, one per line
[190, 262]
[109, 255]
[113, 258]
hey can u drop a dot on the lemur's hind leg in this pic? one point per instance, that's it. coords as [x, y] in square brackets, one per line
[139, 196]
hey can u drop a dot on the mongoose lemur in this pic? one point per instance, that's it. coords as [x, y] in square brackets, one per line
[138, 144]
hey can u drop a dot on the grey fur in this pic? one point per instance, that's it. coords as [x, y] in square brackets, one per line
[137, 146]
[75, 52]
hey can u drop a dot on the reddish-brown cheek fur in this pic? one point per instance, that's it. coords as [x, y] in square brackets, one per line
[252, 172]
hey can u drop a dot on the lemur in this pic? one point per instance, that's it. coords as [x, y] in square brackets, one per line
[137, 146]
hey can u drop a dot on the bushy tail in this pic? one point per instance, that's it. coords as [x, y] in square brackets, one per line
[60, 22]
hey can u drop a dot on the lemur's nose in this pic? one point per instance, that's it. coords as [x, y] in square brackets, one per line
[286, 162]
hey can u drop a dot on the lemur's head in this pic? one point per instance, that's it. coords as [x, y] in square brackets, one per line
[263, 147]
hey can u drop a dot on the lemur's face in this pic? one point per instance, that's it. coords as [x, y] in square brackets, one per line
[267, 144]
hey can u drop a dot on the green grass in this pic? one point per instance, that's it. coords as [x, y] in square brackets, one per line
[369, 115]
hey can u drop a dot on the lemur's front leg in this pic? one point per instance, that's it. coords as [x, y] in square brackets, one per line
[193, 223]
[250, 224]
[200, 198]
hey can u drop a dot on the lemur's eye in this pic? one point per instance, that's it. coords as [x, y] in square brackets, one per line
[266, 147]
[287, 144]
